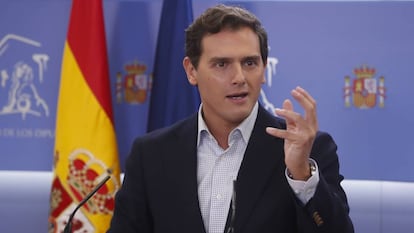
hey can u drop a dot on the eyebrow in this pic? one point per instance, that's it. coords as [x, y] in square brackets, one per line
[252, 58]
[219, 59]
[226, 59]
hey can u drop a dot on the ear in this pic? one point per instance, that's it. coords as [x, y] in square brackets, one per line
[264, 74]
[190, 70]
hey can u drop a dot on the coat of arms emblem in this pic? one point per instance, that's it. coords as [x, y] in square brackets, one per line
[133, 87]
[365, 90]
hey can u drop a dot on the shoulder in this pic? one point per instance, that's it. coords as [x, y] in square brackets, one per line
[179, 129]
[324, 139]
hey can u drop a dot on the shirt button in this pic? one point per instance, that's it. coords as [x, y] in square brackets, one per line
[219, 197]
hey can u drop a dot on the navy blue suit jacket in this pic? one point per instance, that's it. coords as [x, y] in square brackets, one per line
[159, 192]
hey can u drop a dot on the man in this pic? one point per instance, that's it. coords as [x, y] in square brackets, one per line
[233, 167]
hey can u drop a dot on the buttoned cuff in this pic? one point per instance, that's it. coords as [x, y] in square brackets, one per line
[304, 190]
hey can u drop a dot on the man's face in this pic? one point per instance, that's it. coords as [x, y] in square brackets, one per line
[229, 75]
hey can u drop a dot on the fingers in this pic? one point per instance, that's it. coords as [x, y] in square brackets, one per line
[282, 133]
[304, 99]
[305, 94]
[287, 105]
[287, 112]
[295, 122]
[307, 102]
[275, 132]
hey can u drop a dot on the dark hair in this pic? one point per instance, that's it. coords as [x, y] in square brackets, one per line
[214, 20]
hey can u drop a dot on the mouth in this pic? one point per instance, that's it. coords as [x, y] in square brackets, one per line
[237, 96]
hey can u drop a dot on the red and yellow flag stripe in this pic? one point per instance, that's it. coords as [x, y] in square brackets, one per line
[85, 144]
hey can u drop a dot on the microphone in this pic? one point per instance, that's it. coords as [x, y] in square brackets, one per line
[68, 227]
[233, 209]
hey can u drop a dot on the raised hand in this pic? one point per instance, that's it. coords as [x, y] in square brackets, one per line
[299, 134]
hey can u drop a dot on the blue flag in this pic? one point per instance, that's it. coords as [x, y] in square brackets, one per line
[172, 96]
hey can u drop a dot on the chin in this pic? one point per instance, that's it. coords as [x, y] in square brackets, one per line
[239, 115]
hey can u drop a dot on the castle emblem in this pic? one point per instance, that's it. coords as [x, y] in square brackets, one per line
[85, 172]
[365, 90]
[133, 87]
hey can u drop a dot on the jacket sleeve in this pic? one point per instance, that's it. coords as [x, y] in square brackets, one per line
[131, 214]
[328, 210]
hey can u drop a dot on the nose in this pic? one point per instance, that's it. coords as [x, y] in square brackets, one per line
[238, 75]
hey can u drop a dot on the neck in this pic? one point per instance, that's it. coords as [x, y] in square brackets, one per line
[220, 133]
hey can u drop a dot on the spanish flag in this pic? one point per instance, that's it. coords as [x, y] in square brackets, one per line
[85, 145]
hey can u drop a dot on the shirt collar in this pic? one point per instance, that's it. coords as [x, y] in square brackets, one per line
[246, 127]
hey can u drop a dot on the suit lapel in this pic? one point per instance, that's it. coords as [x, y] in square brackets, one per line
[263, 154]
[182, 173]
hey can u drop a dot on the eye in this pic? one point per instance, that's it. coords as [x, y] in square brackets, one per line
[250, 62]
[220, 64]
